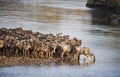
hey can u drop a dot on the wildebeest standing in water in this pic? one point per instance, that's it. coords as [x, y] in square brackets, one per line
[26, 43]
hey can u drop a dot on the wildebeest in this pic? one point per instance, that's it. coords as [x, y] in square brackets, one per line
[65, 50]
[26, 43]
[1, 46]
[84, 51]
[23, 47]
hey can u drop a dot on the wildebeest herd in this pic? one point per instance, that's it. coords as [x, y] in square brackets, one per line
[25, 43]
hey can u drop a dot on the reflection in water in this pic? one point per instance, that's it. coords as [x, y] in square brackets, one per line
[74, 63]
[105, 16]
[66, 62]
[69, 17]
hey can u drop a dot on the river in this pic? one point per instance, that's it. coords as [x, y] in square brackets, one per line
[69, 17]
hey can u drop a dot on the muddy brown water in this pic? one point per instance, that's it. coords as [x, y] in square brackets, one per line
[69, 17]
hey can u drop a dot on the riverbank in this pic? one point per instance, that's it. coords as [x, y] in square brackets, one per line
[112, 8]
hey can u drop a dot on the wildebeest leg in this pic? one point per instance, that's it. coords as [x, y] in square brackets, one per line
[62, 54]
[50, 54]
[24, 53]
[41, 54]
[46, 54]
[27, 53]
[7, 52]
[16, 52]
[76, 62]
[36, 54]
[3, 51]
[76, 57]
[68, 55]
[94, 58]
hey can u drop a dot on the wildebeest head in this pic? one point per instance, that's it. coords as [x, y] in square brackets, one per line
[86, 50]
[91, 56]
